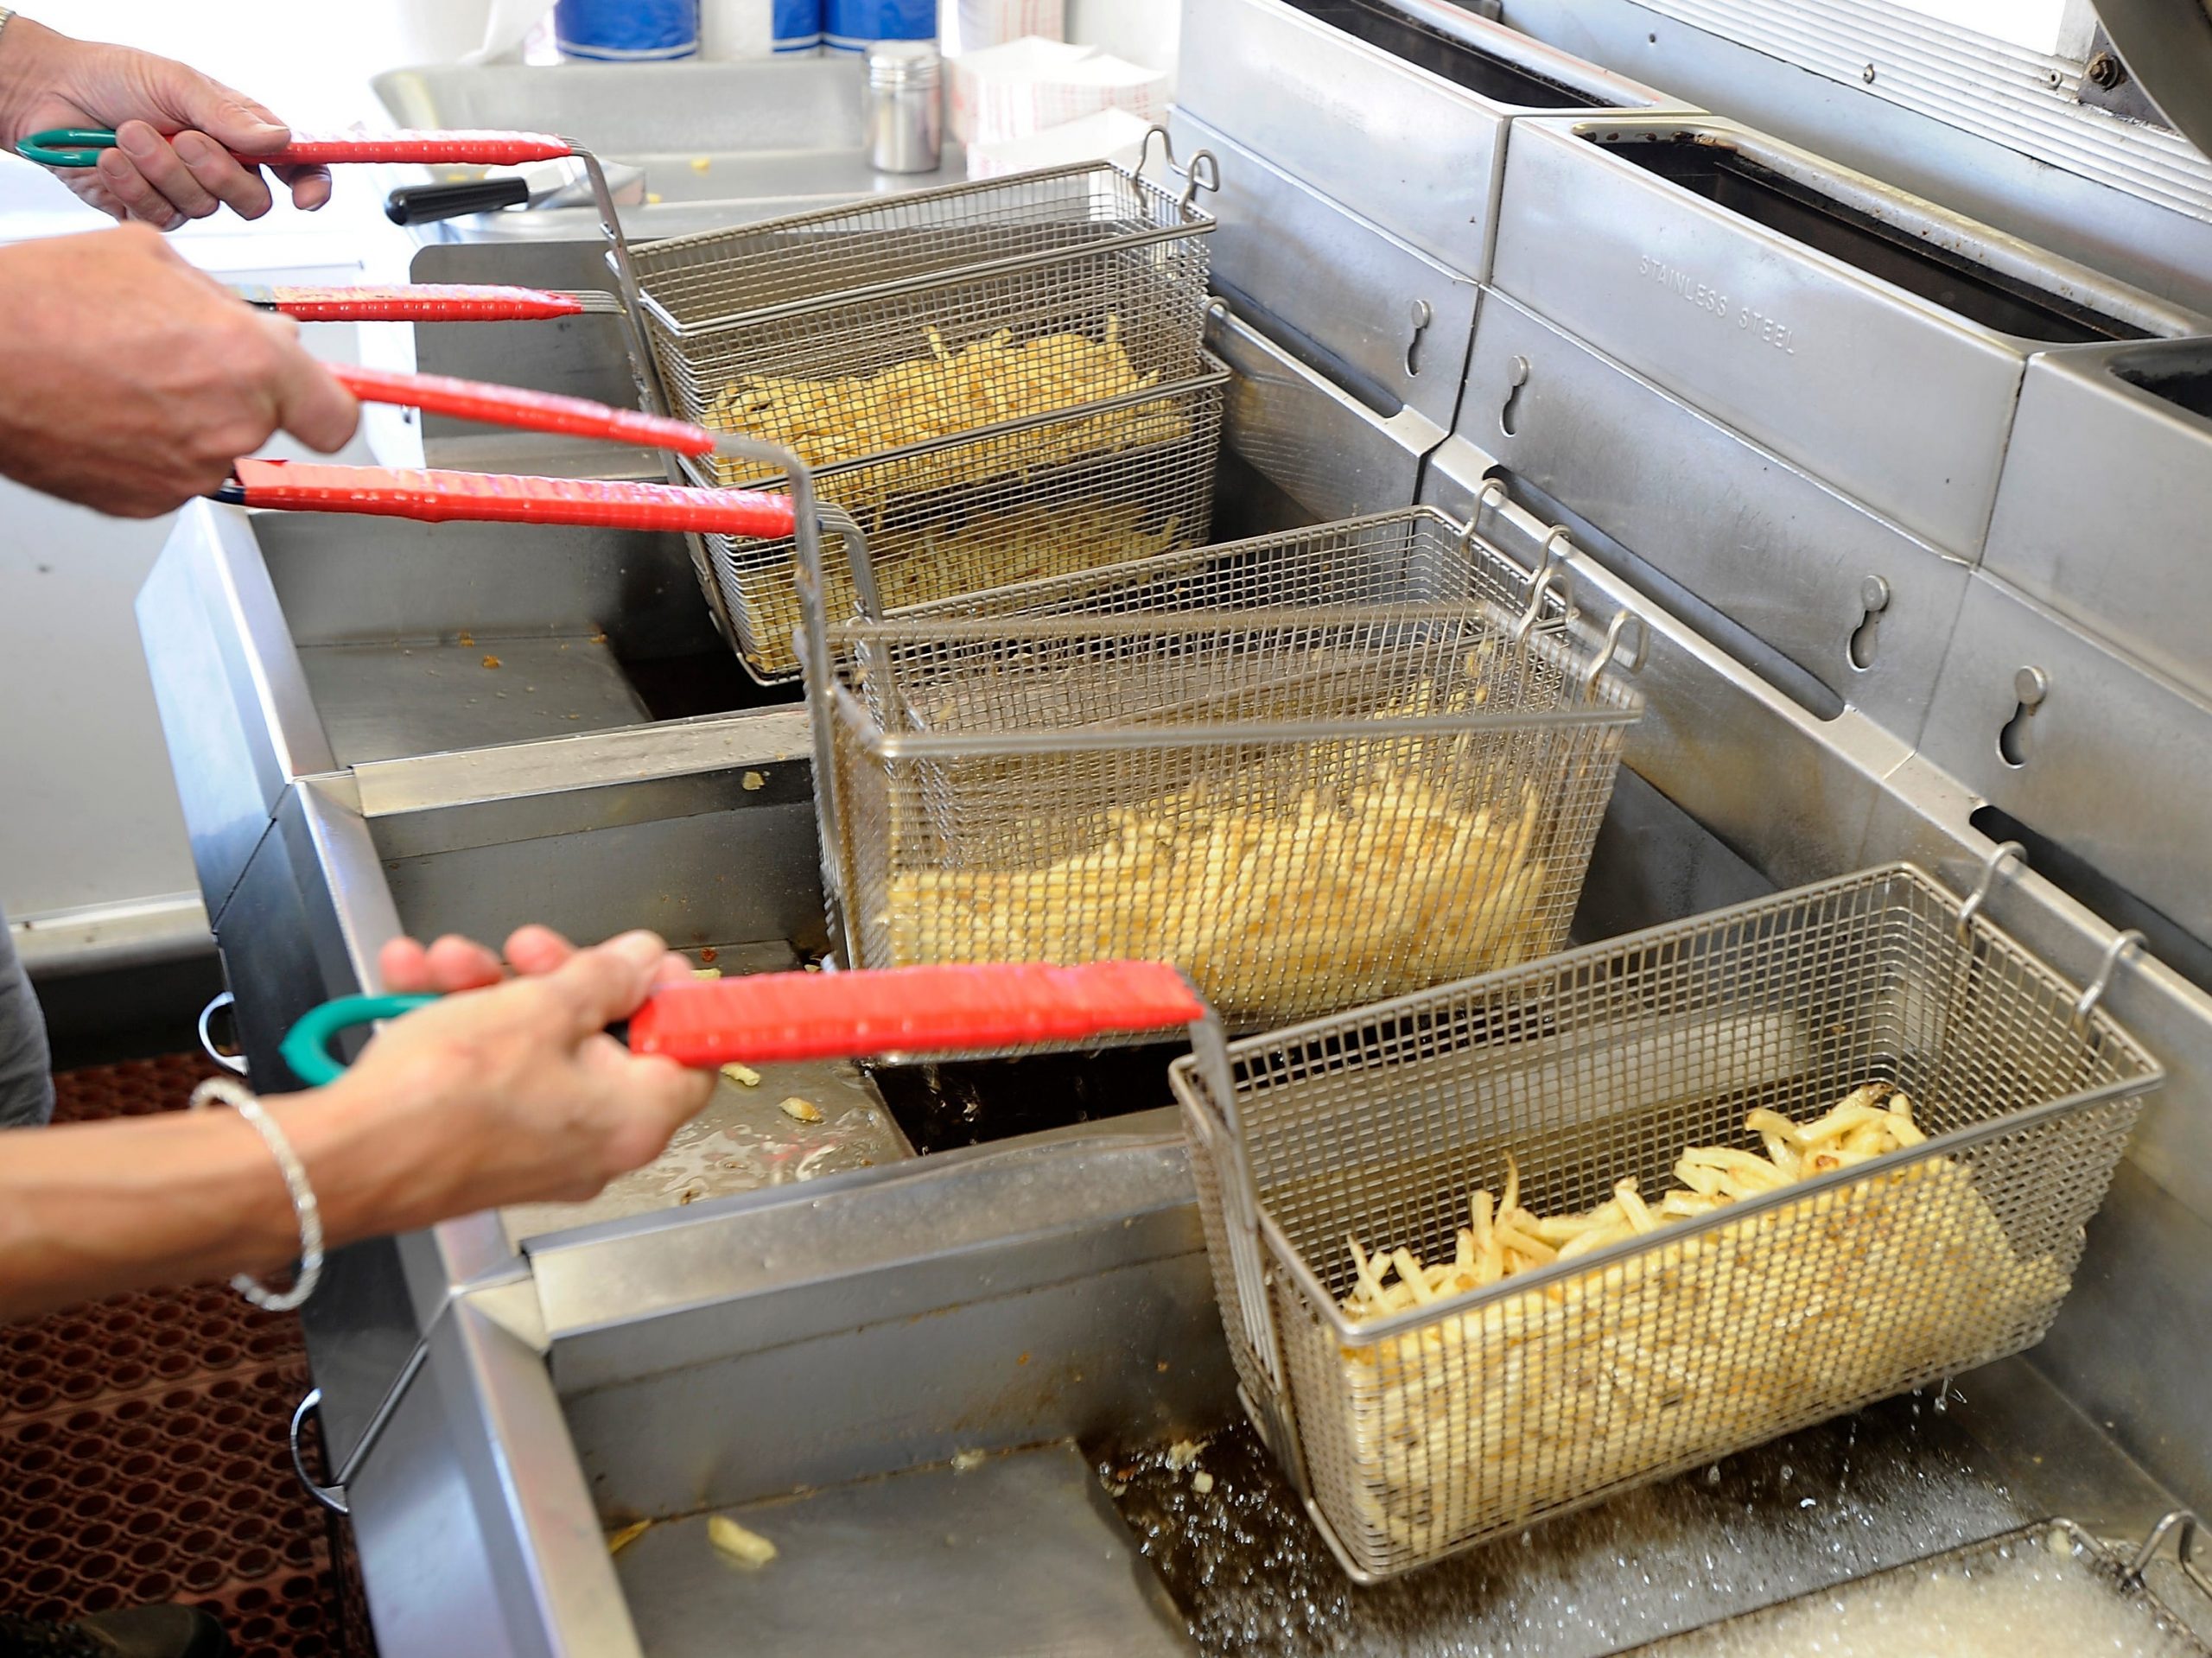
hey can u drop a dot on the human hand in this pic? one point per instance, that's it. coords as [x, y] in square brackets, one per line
[176, 130]
[515, 1093]
[456, 963]
[130, 381]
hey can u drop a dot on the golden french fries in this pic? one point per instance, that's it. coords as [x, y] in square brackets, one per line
[1472, 1423]
[985, 550]
[943, 393]
[1324, 902]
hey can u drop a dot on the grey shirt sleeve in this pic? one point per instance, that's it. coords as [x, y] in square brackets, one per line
[26, 1068]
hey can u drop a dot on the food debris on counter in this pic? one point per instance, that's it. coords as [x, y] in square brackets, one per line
[964, 1460]
[743, 1076]
[799, 1110]
[748, 1549]
[619, 1540]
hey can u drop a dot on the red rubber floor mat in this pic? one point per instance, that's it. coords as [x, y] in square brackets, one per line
[143, 1453]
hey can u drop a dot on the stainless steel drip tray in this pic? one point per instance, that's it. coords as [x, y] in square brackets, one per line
[381, 701]
[1017, 1554]
[1873, 338]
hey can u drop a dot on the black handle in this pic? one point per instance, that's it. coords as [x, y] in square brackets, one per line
[420, 203]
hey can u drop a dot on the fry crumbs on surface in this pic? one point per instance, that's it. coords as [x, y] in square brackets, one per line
[733, 1541]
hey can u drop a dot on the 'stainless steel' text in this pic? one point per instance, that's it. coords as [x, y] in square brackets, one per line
[1677, 281]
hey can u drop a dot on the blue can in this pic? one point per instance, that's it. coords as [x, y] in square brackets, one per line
[798, 25]
[854, 25]
[627, 31]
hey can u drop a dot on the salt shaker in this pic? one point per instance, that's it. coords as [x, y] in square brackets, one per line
[905, 115]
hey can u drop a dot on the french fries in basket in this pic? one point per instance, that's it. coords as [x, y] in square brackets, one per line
[1474, 1424]
[1322, 904]
[940, 394]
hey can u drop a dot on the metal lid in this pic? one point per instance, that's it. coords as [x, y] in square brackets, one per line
[904, 63]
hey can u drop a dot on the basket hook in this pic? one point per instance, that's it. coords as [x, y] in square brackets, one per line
[2185, 1524]
[1546, 577]
[1611, 648]
[1489, 498]
[1979, 896]
[1166, 147]
[2122, 944]
[1558, 548]
[1210, 181]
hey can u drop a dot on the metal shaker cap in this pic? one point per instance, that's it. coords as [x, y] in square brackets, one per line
[904, 63]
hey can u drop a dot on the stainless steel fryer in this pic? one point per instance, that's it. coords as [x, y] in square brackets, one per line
[826, 1360]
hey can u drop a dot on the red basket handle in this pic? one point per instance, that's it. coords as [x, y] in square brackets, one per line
[493, 497]
[771, 1017]
[416, 302]
[456, 147]
[527, 412]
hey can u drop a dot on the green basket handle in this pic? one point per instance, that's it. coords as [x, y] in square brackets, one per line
[306, 1047]
[66, 146]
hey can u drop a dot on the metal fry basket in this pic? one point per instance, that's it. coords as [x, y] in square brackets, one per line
[1003, 379]
[1302, 807]
[1482, 1412]
[1052, 493]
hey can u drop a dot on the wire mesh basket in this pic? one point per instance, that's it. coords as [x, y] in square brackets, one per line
[1413, 556]
[1506, 1394]
[1052, 493]
[1002, 378]
[1301, 807]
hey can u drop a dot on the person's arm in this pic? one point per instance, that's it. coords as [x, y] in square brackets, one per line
[130, 381]
[509, 1094]
[178, 134]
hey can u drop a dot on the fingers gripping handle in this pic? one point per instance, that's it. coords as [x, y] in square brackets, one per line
[457, 497]
[523, 410]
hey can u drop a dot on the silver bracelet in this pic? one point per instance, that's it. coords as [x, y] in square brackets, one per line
[304, 1206]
